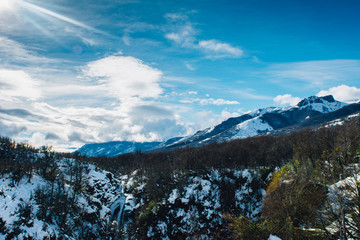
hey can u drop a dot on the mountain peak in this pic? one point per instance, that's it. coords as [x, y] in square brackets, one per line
[323, 104]
[315, 99]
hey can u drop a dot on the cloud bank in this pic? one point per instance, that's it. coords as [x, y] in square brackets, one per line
[113, 98]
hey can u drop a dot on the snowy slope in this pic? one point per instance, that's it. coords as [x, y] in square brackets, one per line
[15, 198]
[22, 204]
[251, 128]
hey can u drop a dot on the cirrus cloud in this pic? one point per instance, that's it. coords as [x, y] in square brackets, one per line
[314, 74]
[220, 49]
[210, 101]
[218, 102]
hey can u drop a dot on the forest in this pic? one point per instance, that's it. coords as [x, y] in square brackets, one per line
[304, 166]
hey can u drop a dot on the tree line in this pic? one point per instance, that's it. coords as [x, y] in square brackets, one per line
[260, 151]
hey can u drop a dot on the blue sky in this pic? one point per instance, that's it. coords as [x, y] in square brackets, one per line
[73, 72]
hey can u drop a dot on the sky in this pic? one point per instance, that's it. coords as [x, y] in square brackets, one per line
[76, 72]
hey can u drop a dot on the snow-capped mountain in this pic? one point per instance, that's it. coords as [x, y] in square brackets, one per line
[262, 121]
[309, 111]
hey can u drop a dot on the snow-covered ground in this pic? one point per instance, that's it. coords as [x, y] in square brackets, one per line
[251, 128]
[273, 237]
[13, 198]
[343, 197]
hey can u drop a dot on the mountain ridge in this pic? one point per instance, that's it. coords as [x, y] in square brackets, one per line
[114, 148]
[260, 121]
[263, 120]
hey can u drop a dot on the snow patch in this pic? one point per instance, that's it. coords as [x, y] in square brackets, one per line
[251, 127]
[273, 237]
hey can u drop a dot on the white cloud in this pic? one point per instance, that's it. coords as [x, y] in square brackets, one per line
[184, 34]
[190, 67]
[342, 93]
[176, 16]
[220, 49]
[186, 101]
[249, 93]
[218, 102]
[87, 109]
[17, 84]
[286, 99]
[226, 114]
[88, 41]
[10, 129]
[68, 127]
[8, 5]
[126, 39]
[210, 101]
[205, 119]
[13, 51]
[126, 77]
[71, 90]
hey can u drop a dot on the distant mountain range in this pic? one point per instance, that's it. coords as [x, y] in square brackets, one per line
[311, 111]
[114, 148]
